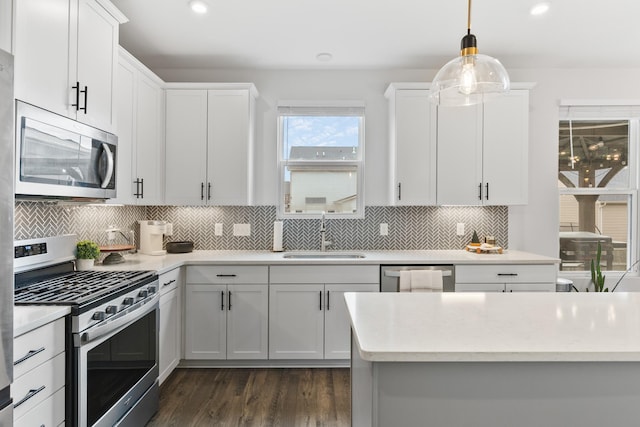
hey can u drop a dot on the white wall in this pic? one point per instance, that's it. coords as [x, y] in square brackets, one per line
[532, 228]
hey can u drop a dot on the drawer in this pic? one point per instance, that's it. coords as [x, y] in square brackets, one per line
[506, 273]
[37, 385]
[49, 412]
[170, 280]
[37, 346]
[325, 274]
[227, 274]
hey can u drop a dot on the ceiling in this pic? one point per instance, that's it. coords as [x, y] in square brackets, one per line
[379, 34]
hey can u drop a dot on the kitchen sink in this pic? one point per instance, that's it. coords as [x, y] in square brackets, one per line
[322, 255]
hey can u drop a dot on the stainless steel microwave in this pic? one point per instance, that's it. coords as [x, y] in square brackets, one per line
[57, 157]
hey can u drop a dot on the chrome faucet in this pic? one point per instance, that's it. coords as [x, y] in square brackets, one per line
[323, 230]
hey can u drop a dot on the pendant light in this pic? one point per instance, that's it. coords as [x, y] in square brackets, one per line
[470, 78]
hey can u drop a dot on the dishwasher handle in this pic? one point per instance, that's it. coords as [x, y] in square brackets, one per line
[396, 273]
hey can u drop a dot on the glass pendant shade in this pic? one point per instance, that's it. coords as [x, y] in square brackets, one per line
[468, 80]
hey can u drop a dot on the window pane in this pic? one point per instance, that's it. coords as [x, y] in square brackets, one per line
[327, 138]
[585, 221]
[316, 190]
[593, 154]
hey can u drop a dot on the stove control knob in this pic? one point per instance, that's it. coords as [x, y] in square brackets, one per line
[98, 315]
[143, 293]
[112, 309]
[128, 301]
[152, 290]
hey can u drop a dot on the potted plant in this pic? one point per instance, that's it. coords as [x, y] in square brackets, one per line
[87, 252]
[598, 279]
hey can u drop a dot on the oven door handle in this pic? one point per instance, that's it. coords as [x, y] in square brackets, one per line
[118, 321]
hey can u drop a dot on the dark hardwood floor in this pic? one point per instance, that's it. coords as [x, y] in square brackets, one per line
[255, 397]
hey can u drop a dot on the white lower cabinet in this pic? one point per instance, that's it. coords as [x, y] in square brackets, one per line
[307, 313]
[226, 312]
[38, 389]
[170, 321]
[296, 321]
[506, 278]
[337, 327]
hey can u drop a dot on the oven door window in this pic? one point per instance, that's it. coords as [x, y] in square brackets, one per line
[117, 364]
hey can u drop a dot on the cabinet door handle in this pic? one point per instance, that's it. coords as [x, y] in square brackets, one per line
[77, 89]
[225, 275]
[229, 301]
[169, 282]
[222, 300]
[86, 96]
[480, 191]
[28, 356]
[138, 194]
[142, 188]
[29, 395]
[320, 300]
[202, 191]
[328, 307]
[399, 191]
[209, 191]
[486, 196]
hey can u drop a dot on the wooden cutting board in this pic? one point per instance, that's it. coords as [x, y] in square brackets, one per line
[116, 248]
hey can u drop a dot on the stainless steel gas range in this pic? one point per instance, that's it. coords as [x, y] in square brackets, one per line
[112, 333]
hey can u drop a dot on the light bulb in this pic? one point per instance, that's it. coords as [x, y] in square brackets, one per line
[468, 81]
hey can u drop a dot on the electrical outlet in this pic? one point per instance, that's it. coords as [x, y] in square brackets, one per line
[460, 229]
[241, 229]
[217, 229]
[384, 229]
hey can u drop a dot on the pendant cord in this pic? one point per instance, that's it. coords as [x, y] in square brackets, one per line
[469, 18]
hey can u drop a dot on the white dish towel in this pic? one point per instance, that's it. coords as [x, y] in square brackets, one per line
[405, 281]
[426, 281]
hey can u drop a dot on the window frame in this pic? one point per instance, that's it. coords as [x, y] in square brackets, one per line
[319, 109]
[593, 110]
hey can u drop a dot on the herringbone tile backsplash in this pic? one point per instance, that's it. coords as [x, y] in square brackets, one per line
[410, 228]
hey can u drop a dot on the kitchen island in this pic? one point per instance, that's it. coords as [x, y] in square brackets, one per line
[483, 359]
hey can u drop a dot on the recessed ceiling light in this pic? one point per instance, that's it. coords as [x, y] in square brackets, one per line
[198, 6]
[324, 57]
[540, 9]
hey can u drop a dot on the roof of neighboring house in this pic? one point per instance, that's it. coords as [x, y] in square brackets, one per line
[323, 153]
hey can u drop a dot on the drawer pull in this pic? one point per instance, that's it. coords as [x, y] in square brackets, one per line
[29, 395]
[169, 282]
[508, 274]
[28, 356]
[226, 275]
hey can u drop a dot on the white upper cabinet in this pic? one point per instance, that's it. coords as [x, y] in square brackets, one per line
[505, 160]
[209, 145]
[6, 25]
[483, 152]
[412, 126]
[139, 100]
[186, 146]
[66, 57]
[459, 155]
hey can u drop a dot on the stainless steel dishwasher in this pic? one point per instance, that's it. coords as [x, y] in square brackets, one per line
[390, 276]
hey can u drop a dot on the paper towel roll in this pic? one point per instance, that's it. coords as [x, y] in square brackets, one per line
[277, 236]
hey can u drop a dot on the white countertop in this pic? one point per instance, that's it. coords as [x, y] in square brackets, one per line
[163, 263]
[496, 327]
[27, 318]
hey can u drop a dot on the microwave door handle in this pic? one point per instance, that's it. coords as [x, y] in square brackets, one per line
[110, 165]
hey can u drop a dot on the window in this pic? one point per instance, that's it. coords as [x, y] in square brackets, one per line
[321, 160]
[597, 161]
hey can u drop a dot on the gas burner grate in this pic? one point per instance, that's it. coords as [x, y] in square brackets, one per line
[78, 287]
